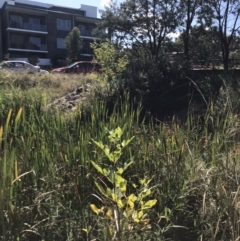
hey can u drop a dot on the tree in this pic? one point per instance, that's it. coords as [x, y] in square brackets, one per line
[235, 52]
[225, 16]
[113, 62]
[72, 42]
[203, 44]
[146, 23]
[33, 59]
[189, 8]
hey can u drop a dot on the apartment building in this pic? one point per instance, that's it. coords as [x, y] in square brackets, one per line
[30, 28]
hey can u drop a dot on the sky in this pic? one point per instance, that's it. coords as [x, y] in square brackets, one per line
[76, 4]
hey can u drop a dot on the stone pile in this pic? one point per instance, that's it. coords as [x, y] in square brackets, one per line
[73, 99]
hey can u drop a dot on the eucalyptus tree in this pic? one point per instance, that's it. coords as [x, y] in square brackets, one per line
[224, 15]
[145, 23]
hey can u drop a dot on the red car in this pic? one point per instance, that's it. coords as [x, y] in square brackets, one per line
[83, 67]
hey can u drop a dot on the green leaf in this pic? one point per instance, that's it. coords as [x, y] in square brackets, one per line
[140, 214]
[146, 192]
[87, 230]
[143, 182]
[109, 192]
[118, 192]
[126, 142]
[111, 175]
[101, 170]
[149, 204]
[116, 199]
[99, 144]
[113, 157]
[106, 150]
[120, 181]
[127, 212]
[134, 185]
[109, 213]
[101, 190]
[135, 217]
[126, 165]
[95, 209]
[116, 155]
[120, 170]
[118, 132]
[132, 198]
[131, 204]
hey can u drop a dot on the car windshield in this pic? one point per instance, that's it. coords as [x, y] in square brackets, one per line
[71, 65]
[6, 65]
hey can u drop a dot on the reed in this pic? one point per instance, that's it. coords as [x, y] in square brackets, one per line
[47, 179]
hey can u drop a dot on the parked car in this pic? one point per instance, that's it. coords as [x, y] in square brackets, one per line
[15, 65]
[43, 71]
[83, 67]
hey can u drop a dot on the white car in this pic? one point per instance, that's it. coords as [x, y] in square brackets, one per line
[43, 71]
[15, 65]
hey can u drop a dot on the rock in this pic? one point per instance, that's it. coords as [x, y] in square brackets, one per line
[70, 100]
[79, 90]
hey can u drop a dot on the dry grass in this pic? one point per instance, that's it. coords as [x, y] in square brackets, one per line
[53, 85]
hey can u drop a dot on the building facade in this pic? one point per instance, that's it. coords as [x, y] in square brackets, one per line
[30, 28]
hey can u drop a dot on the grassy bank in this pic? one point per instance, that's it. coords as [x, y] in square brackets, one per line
[47, 179]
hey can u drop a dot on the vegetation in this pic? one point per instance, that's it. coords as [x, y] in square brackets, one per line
[72, 42]
[172, 181]
[128, 165]
[33, 59]
[126, 212]
[151, 24]
[112, 62]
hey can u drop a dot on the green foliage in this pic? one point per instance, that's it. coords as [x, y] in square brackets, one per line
[46, 176]
[221, 15]
[113, 62]
[151, 25]
[125, 212]
[33, 60]
[72, 42]
[146, 23]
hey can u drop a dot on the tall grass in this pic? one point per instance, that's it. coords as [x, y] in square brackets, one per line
[47, 180]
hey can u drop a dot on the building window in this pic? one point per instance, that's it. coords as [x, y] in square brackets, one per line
[15, 21]
[86, 30]
[61, 43]
[63, 24]
[17, 38]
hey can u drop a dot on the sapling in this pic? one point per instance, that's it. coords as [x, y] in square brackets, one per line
[125, 212]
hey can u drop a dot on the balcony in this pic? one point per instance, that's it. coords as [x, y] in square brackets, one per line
[86, 51]
[28, 46]
[86, 33]
[28, 26]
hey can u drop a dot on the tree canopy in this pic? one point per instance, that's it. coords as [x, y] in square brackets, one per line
[72, 42]
[143, 22]
[149, 25]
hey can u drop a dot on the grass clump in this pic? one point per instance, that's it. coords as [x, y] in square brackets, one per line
[47, 177]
